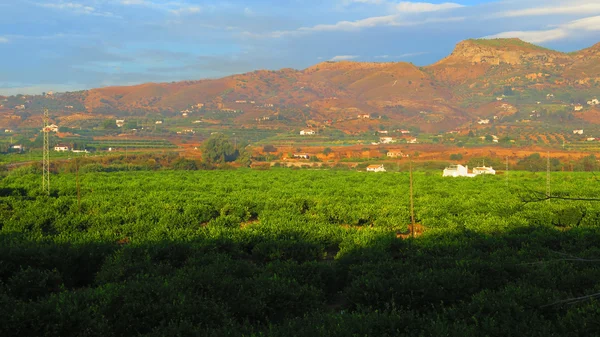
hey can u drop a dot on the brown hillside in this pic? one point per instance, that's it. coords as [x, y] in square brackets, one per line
[452, 92]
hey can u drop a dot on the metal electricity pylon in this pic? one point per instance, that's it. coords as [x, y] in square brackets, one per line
[46, 155]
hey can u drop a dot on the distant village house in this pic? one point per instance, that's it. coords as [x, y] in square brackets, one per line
[61, 148]
[386, 140]
[375, 168]
[396, 154]
[307, 132]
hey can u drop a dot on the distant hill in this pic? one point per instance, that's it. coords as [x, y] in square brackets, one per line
[450, 93]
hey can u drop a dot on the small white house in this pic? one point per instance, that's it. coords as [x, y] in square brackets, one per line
[120, 122]
[375, 168]
[51, 128]
[301, 156]
[499, 98]
[483, 170]
[396, 154]
[578, 107]
[61, 148]
[364, 116]
[412, 141]
[591, 139]
[386, 140]
[593, 102]
[307, 132]
[483, 121]
[456, 171]
[18, 147]
[383, 132]
[158, 122]
[578, 132]
[404, 132]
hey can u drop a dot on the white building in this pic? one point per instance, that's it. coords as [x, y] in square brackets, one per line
[386, 140]
[456, 171]
[301, 156]
[120, 122]
[396, 154]
[578, 132]
[158, 122]
[18, 147]
[61, 148]
[578, 107]
[483, 121]
[483, 170]
[51, 128]
[364, 116]
[307, 132]
[375, 168]
[593, 102]
[412, 141]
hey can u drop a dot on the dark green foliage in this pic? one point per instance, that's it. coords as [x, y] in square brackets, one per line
[217, 149]
[296, 253]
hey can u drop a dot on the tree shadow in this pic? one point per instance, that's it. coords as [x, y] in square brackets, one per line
[460, 284]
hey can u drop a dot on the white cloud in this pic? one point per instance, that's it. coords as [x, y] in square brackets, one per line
[76, 8]
[422, 7]
[413, 54]
[406, 55]
[3, 40]
[559, 32]
[377, 21]
[407, 6]
[133, 2]
[533, 36]
[589, 24]
[343, 57]
[573, 8]
[186, 10]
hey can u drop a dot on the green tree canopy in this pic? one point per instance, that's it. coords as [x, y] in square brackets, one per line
[218, 149]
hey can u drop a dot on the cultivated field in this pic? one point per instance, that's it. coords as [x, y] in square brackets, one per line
[298, 252]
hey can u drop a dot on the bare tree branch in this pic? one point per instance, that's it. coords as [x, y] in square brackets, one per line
[573, 300]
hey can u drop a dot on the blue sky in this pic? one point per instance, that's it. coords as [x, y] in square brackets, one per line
[79, 44]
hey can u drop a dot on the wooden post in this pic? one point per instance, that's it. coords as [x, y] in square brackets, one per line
[77, 182]
[412, 208]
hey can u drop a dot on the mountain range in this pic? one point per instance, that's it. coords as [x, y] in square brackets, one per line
[474, 82]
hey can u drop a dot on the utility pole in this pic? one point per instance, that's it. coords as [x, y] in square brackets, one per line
[412, 205]
[507, 172]
[548, 175]
[46, 154]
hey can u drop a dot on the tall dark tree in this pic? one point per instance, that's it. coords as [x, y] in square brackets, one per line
[218, 149]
